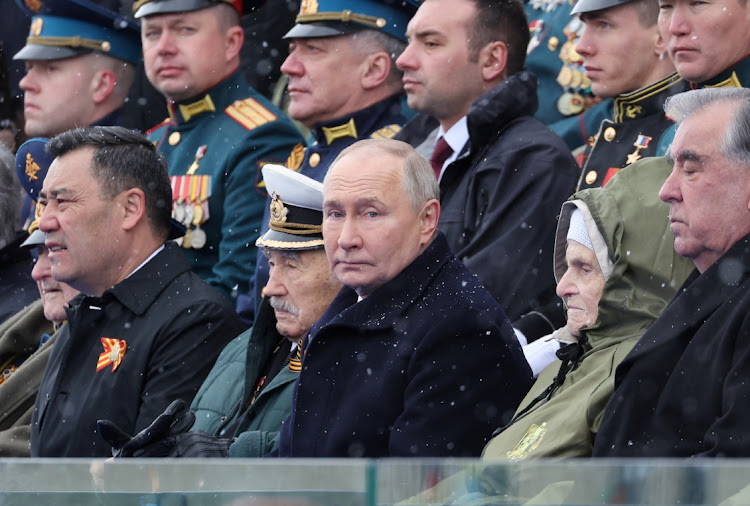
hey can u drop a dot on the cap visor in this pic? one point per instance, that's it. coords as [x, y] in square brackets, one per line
[39, 52]
[36, 238]
[309, 30]
[595, 5]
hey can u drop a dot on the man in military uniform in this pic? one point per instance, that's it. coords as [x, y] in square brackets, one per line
[343, 83]
[566, 101]
[625, 58]
[80, 63]
[219, 133]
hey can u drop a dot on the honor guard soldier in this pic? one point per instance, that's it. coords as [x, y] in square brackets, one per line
[218, 135]
[625, 58]
[80, 63]
[343, 83]
[566, 102]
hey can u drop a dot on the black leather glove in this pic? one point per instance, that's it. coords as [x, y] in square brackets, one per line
[198, 444]
[156, 440]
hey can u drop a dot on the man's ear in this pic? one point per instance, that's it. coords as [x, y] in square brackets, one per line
[102, 85]
[375, 70]
[493, 59]
[660, 47]
[133, 202]
[428, 220]
[234, 39]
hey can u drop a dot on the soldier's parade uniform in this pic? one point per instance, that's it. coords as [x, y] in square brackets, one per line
[330, 18]
[633, 133]
[215, 146]
[63, 29]
[566, 103]
[381, 120]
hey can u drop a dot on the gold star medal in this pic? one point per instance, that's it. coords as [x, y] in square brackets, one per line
[640, 143]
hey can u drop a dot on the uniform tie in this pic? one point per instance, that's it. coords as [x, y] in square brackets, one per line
[440, 155]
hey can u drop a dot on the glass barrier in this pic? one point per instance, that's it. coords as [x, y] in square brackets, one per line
[261, 482]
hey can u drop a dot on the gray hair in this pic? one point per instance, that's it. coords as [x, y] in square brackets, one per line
[735, 144]
[420, 182]
[10, 197]
[368, 41]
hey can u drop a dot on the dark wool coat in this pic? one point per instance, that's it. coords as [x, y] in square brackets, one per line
[683, 390]
[427, 365]
[175, 326]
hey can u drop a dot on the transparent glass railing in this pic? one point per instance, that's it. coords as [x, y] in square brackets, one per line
[262, 482]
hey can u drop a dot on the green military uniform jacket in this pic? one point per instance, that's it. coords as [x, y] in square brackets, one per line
[227, 134]
[19, 337]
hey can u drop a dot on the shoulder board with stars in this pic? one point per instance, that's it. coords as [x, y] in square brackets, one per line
[157, 127]
[249, 113]
[386, 132]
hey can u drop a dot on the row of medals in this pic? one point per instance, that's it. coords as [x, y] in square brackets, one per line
[572, 76]
[191, 214]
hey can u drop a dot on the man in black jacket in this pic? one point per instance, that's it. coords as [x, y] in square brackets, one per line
[682, 390]
[507, 174]
[145, 330]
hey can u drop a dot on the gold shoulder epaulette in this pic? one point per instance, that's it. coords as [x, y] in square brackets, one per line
[386, 132]
[249, 113]
[296, 157]
[157, 127]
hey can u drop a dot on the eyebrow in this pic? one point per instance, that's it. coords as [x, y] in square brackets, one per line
[53, 193]
[686, 155]
[359, 203]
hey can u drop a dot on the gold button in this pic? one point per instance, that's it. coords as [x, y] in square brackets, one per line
[314, 160]
[609, 134]
[591, 177]
[553, 43]
[174, 138]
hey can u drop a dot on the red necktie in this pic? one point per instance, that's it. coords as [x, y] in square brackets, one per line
[440, 155]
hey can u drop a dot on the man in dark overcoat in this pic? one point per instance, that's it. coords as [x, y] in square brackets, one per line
[414, 357]
[683, 389]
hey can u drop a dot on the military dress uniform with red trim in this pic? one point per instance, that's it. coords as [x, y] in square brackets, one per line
[215, 146]
[633, 133]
